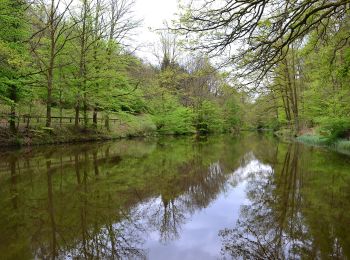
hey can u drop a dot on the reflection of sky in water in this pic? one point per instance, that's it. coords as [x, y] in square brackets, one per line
[198, 227]
[199, 235]
[174, 200]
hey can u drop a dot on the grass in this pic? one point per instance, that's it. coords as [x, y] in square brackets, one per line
[127, 125]
[131, 125]
[314, 140]
[341, 145]
[121, 124]
[125, 122]
[38, 109]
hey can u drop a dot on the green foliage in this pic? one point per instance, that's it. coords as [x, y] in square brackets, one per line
[339, 145]
[169, 115]
[209, 118]
[310, 88]
[313, 140]
[335, 128]
[68, 69]
[13, 51]
[131, 125]
[231, 115]
[177, 121]
[343, 145]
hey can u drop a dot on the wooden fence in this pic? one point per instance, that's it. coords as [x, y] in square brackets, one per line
[31, 120]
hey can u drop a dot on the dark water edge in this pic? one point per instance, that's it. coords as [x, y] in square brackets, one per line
[249, 196]
[64, 135]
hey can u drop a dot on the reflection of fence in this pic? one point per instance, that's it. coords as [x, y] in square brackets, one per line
[64, 161]
[31, 120]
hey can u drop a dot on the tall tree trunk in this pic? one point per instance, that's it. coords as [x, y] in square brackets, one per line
[51, 64]
[290, 91]
[295, 95]
[85, 108]
[12, 119]
[82, 65]
[94, 117]
[61, 112]
[77, 110]
[97, 66]
[60, 95]
[49, 100]
[107, 122]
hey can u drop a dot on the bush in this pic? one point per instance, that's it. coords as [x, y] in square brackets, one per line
[231, 116]
[334, 128]
[209, 118]
[177, 121]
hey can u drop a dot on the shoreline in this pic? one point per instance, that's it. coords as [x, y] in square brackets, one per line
[338, 145]
[62, 135]
[313, 140]
[69, 135]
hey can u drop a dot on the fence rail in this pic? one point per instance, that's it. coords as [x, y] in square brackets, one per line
[30, 120]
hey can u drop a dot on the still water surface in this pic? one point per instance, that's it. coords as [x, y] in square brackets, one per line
[223, 197]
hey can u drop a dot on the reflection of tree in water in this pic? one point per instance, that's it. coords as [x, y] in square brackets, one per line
[121, 240]
[170, 211]
[114, 241]
[119, 236]
[166, 216]
[270, 227]
[207, 186]
[94, 201]
[74, 207]
[273, 224]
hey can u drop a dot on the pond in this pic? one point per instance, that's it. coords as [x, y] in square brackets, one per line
[222, 197]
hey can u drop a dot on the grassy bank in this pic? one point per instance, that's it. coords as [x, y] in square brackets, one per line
[127, 126]
[341, 145]
[31, 130]
[317, 137]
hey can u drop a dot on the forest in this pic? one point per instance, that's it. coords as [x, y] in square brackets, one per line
[68, 70]
[223, 133]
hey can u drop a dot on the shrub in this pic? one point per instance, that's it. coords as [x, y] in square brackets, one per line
[177, 121]
[209, 118]
[334, 128]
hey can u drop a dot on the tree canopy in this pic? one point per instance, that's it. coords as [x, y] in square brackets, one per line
[257, 34]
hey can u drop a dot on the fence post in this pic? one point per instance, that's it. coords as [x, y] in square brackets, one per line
[18, 119]
[107, 122]
[28, 119]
